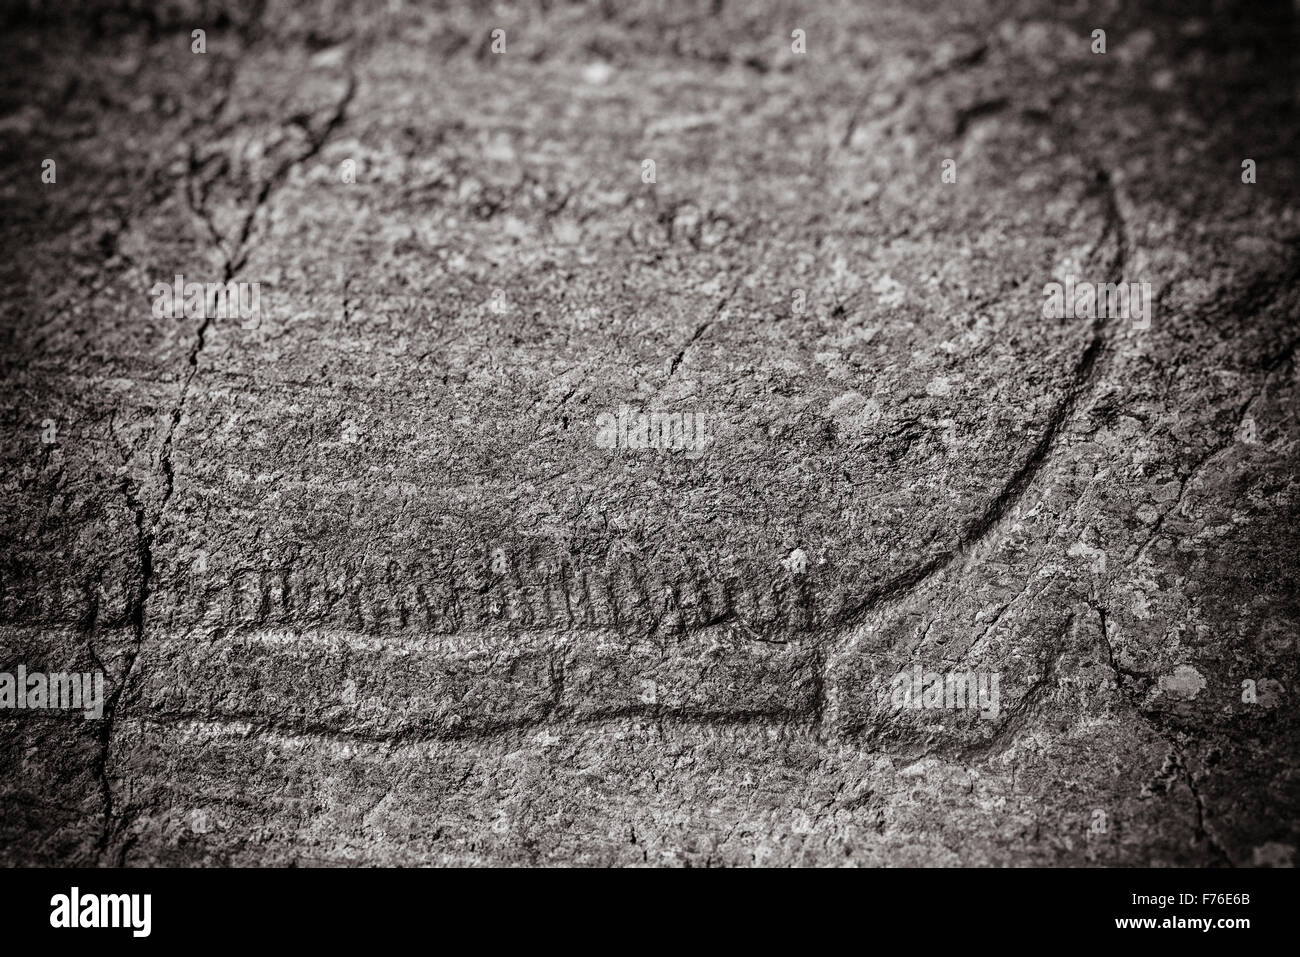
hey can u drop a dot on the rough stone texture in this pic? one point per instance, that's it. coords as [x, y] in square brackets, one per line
[364, 586]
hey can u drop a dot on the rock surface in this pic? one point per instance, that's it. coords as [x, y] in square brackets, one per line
[366, 587]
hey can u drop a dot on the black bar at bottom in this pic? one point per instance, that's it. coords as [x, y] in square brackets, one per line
[330, 907]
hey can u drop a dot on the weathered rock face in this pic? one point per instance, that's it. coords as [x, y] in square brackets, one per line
[399, 568]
